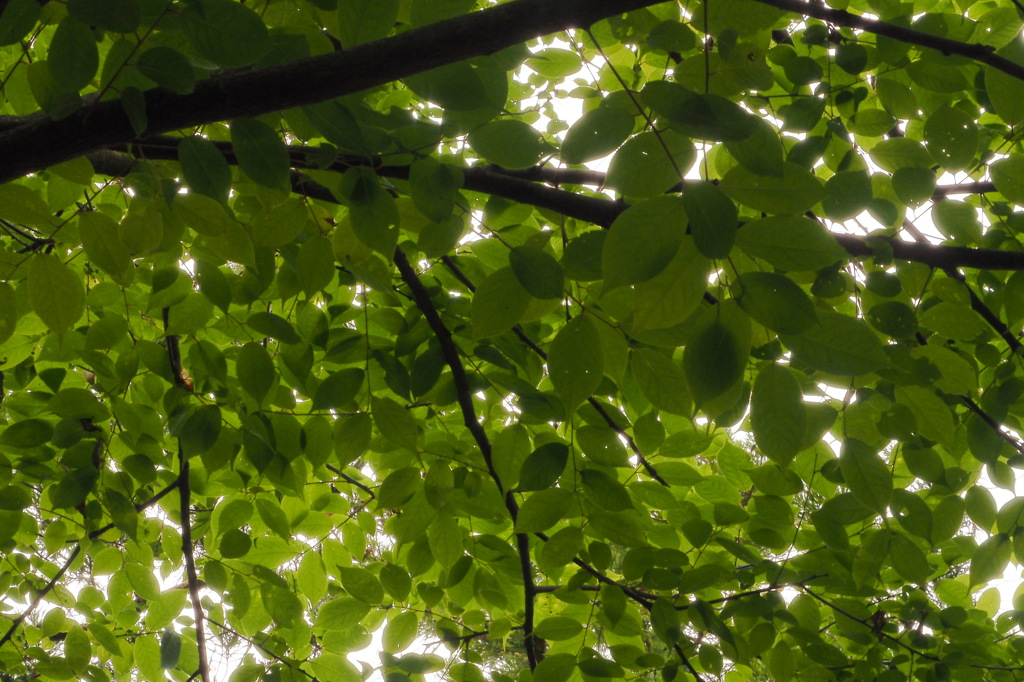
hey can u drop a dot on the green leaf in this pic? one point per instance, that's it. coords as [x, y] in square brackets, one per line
[204, 215]
[557, 628]
[169, 69]
[509, 143]
[213, 284]
[445, 540]
[576, 362]
[673, 294]
[847, 194]
[227, 33]
[395, 580]
[980, 506]
[1008, 176]
[234, 544]
[99, 234]
[650, 164]
[894, 318]
[120, 16]
[540, 469]
[315, 265]
[21, 204]
[543, 509]
[205, 168]
[170, 649]
[15, 498]
[715, 358]
[602, 446]
[933, 417]
[561, 548]
[17, 19]
[260, 151]
[434, 188]
[936, 75]
[838, 345]
[256, 371]
[27, 433]
[776, 302]
[460, 87]
[908, 559]
[866, 475]
[200, 430]
[339, 614]
[597, 133]
[395, 422]
[642, 241]
[662, 381]
[73, 55]
[281, 604]
[665, 622]
[701, 116]
[362, 21]
[778, 417]
[900, 152]
[605, 491]
[1005, 92]
[352, 436]
[338, 389]
[273, 515]
[990, 559]
[760, 152]
[372, 210]
[498, 304]
[401, 631]
[56, 293]
[77, 648]
[273, 326]
[796, 191]
[951, 137]
[538, 272]
[555, 62]
[713, 219]
[361, 584]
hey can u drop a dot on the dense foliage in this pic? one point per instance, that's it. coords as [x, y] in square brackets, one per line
[315, 324]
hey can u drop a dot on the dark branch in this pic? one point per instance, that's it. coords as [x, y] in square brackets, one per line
[465, 399]
[42, 143]
[16, 623]
[603, 211]
[984, 54]
[188, 549]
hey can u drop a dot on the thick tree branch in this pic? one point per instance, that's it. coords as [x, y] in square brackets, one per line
[43, 143]
[603, 211]
[985, 54]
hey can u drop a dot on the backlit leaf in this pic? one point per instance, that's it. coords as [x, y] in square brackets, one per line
[796, 191]
[642, 241]
[57, 294]
[576, 361]
[778, 417]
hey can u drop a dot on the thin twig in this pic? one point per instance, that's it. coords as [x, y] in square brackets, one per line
[67, 564]
[188, 549]
[16, 623]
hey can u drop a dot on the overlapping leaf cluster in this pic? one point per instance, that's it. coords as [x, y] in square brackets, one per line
[315, 323]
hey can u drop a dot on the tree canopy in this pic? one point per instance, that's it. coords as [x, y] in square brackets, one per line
[318, 324]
